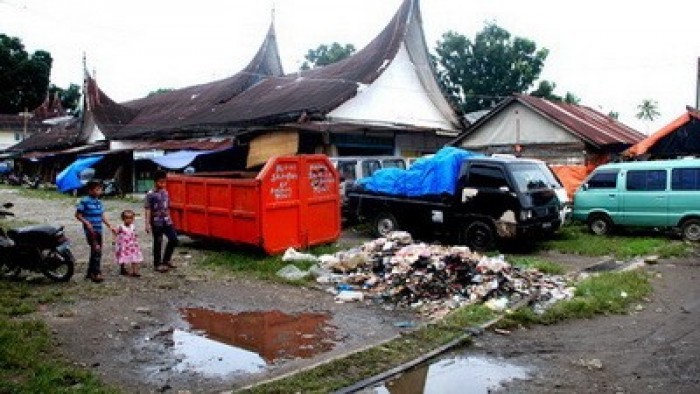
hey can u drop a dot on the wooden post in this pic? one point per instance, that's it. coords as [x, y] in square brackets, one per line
[26, 115]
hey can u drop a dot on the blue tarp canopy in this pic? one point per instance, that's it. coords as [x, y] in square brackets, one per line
[179, 159]
[69, 178]
[433, 175]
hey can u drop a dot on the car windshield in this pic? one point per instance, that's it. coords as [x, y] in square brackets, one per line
[530, 176]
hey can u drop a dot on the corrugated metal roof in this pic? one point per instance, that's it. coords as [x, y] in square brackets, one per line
[60, 136]
[586, 123]
[194, 144]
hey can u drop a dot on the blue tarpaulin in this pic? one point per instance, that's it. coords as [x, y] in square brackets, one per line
[179, 159]
[427, 176]
[69, 178]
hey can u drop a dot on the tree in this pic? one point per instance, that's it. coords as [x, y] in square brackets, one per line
[325, 55]
[545, 90]
[648, 110]
[70, 97]
[479, 73]
[571, 98]
[614, 115]
[159, 91]
[24, 78]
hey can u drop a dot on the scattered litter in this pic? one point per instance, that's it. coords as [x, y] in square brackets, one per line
[349, 296]
[501, 331]
[405, 324]
[292, 255]
[291, 272]
[653, 259]
[591, 364]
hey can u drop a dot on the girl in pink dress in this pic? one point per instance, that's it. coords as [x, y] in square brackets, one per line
[127, 248]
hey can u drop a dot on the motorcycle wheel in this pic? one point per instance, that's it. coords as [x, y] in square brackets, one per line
[59, 266]
[9, 272]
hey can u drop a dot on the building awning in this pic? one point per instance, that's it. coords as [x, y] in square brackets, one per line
[208, 144]
[179, 159]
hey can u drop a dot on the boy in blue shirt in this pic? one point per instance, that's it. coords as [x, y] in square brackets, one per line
[90, 213]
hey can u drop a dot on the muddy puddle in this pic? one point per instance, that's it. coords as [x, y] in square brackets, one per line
[220, 343]
[455, 374]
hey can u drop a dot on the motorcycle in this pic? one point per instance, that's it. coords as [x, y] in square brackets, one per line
[41, 248]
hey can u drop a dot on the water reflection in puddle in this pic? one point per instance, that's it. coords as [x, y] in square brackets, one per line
[222, 343]
[456, 374]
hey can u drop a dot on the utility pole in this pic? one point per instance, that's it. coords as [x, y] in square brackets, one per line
[26, 115]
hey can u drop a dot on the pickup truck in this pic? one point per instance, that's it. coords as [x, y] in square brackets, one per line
[494, 198]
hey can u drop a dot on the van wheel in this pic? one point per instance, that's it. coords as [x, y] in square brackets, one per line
[599, 224]
[384, 223]
[690, 230]
[479, 236]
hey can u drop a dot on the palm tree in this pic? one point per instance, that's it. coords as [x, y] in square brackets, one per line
[648, 110]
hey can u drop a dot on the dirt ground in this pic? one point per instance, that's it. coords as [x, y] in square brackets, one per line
[113, 327]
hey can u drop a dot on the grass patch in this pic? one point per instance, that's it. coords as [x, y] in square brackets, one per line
[254, 264]
[541, 265]
[576, 239]
[27, 363]
[355, 367]
[607, 293]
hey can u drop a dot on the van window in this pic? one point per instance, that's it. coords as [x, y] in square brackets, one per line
[685, 179]
[369, 167]
[646, 180]
[394, 163]
[486, 177]
[603, 180]
[347, 170]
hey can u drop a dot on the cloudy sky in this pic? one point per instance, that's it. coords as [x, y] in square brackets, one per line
[611, 54]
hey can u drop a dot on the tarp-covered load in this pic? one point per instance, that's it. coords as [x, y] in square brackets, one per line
[432, 175]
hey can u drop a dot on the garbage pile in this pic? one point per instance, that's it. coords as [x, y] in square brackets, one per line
[433, 278]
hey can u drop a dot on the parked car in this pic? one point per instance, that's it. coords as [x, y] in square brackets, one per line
[663, 194]
[352, 168]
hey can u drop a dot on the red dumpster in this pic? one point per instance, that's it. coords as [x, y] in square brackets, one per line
[292, 202]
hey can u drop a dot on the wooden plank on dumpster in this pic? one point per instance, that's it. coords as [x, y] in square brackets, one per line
[279, 143]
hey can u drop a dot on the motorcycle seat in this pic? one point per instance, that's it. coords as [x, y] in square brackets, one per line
[21, 233]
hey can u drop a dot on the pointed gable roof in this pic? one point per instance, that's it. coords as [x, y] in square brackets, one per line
[314, 93]
[174, 109]
[583, 122]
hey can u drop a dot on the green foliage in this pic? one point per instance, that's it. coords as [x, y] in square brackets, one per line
[70, 98]
[479, 73]
[648, 110]
[541, 265]
[545, 90]
[325, 55]
[577, 240]
[159, 91]
[27, 363]
[610, 292]
[614, 115]
[24, 78]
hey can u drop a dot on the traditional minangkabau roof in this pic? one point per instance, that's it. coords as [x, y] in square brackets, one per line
[683, 145]
[60, 136]
[261, 96]
[174, 110]
[585, 123]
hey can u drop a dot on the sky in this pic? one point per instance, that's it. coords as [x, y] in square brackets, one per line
[610, 54]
